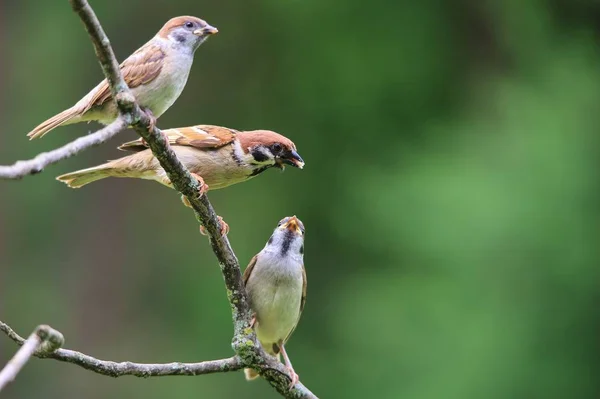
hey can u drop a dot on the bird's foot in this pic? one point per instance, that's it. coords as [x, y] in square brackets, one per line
[288, 365]
[201, 191]
[253, 321]
[224, 227]
[293, 376]
[203, 186]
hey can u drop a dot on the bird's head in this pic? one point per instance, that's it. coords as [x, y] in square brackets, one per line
[265, 149]
[287, 238]
[187, 32]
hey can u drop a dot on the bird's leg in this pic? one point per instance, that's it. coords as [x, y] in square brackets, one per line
[253, 320]
[203, 189]
[293, 376]
[203, 186]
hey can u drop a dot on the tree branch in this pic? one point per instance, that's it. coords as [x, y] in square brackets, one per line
[110, 368]
[43, 339]
[249, 352]
[32, 166]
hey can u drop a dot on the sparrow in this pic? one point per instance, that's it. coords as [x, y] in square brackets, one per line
[275, 282]
[156, 74]
[216, 156]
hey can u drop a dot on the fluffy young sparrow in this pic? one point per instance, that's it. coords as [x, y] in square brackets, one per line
[156, 73]
[217, 156]
[275, 282]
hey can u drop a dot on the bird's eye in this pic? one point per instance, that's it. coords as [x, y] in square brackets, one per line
[276, 148]
[189, 25]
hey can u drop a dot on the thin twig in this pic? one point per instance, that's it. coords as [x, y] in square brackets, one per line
[118, 369]
[21, 169]
[35, 343]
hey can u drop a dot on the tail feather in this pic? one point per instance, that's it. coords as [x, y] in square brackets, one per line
[82, 177]
[250, 374]
[55, 121]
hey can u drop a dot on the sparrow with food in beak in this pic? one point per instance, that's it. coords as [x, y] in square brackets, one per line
[216, 156]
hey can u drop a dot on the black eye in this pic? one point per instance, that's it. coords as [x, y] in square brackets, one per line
[189, 25]
[282, 222]
[276, 148]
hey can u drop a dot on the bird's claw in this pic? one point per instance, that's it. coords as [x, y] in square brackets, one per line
[293, 376]
[203, 186]
[224, 227]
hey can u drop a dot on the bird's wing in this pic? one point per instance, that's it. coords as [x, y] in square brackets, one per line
[139, 68]
[200, 136]
[249, 269]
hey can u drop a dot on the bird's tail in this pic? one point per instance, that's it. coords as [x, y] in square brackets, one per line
[250, 374]
[66, 117]
[84, 176]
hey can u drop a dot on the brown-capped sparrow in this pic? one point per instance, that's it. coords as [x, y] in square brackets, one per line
[156, 74]
[216, 156]
[275, 283]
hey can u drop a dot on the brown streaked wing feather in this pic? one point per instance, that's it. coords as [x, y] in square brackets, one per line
[205, 136]
[142, 67]
[249, 269]
[304, 283]
[200, 136]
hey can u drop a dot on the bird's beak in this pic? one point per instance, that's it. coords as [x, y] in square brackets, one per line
[294, 159]
[293, 225]
[206, 31]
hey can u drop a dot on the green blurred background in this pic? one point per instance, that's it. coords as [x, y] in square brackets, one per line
[451, 198]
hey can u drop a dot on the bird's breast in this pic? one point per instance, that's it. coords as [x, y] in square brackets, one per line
[161, 93]
[275, 293]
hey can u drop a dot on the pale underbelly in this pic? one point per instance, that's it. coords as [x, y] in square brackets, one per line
[276, 314]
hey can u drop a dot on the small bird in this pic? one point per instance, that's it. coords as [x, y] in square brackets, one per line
[275, 282]
[156, 74]
[217, 156]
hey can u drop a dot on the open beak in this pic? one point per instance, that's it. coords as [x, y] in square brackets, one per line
[293, 225]
[206, 31]
[292, 158]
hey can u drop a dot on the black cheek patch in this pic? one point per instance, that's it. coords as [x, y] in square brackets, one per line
[259, 156]
[180, 37]
[302, 250]
[270, 240]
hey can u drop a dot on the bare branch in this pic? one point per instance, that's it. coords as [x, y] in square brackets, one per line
[35, 343]
[36, 165]
[110, 368]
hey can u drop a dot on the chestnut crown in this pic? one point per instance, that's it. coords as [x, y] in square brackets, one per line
[270, 149]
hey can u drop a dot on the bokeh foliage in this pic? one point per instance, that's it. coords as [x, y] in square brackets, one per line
[451, 198]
